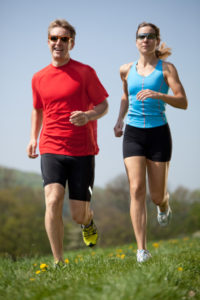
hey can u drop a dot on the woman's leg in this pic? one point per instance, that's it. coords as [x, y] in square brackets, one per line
[157, 178]
[136, 171]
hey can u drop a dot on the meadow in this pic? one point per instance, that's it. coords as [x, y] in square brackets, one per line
[107, 274]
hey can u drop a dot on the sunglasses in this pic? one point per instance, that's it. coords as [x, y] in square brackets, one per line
[54, 38]
[149, 36]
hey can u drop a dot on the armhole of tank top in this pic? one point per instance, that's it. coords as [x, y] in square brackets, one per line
[162, 62]
[130, 67]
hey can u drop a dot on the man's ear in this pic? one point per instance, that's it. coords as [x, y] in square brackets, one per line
[71, 44]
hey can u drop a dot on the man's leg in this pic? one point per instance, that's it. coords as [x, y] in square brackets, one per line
[54, 196]
[81, 211]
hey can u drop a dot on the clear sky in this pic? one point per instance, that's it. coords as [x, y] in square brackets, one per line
[105, 40]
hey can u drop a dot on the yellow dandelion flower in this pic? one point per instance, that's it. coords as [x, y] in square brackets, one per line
[119, 250]
[93, 253]
[67, 261]
[180, 269]
[37, 272]
[156, 245]
[43, 266]
[35, 265]
[32, 279]
[118, 255]
[122, 256]
[76, 260]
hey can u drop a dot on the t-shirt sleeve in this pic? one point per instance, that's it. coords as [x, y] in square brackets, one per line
[37, 101]
[96, 91]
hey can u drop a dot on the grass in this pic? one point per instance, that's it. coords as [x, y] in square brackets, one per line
[108, 274]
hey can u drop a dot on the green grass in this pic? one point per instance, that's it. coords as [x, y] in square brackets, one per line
[108, 274]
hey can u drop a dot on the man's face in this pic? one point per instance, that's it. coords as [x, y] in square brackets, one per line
[58, 42]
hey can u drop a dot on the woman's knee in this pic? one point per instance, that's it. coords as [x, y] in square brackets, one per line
[137, 191]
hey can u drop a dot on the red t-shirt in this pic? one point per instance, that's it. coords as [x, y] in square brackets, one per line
[58, 91]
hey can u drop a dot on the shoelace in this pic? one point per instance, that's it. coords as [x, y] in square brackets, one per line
[89, 231]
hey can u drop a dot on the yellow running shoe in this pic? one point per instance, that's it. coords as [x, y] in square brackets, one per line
[90, 234]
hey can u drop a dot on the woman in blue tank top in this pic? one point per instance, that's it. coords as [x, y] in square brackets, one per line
[147, 141]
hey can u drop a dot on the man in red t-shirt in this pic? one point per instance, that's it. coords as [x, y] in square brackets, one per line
[68, 98]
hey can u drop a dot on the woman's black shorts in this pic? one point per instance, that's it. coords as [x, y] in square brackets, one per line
[77, 170]
[153, 143]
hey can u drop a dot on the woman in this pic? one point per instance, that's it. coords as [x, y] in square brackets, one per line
[147, 141]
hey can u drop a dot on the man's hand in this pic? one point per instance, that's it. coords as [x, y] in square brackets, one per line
[31, 149]
[79, 118]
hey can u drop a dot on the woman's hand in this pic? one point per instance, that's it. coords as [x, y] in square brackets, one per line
[144, 94]
[118, 128]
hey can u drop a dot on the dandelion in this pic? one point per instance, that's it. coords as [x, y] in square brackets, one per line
[76, 260]
[32, 279]
[118, 255]
[37, 272]
[119, 250]
[93, 253]
[122, 256]
[35, 265]
[43, 267]
[156, 245]
[67, 261]
[180, 269]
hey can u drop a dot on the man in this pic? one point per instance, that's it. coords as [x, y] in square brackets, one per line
[68, 98]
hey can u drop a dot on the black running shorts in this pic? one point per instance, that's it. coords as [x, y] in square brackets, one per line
[77, 170]
[153, 143]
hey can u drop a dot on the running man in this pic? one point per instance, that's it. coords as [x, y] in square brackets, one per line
[68, 98]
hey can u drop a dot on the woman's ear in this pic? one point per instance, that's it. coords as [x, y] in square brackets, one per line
[71, 44]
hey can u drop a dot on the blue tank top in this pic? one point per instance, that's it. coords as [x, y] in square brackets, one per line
[150, 112]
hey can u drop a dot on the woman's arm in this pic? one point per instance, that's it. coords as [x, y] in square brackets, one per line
[118, 129]
[179, 99]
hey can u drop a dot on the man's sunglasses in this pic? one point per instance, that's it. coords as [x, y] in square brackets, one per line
[54, 38]
[149, 36]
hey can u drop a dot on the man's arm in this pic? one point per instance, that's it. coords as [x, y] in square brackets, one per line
[80, 118]
[36, 124]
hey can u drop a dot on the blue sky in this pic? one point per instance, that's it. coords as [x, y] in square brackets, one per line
[105, 40]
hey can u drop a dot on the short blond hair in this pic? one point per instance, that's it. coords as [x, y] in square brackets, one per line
[64, 24]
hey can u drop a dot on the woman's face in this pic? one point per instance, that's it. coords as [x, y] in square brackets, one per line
[146, 40]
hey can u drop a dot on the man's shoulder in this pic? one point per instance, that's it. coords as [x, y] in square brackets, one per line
[81, 66]
[41, 72]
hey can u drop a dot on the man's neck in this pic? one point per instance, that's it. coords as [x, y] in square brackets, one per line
[60, 63]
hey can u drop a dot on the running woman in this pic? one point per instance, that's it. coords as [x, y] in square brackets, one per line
[147, 144]
[68, 98]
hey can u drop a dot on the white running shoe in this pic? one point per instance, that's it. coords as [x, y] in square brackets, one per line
[164, 217]
[143, 255]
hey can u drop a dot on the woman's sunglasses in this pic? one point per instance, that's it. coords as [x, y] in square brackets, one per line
[54, 38]
[149, 36]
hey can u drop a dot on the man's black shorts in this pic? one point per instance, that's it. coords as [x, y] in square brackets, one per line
[77, 170]
[153, 143]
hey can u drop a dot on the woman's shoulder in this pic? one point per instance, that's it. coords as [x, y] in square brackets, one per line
[167, 66]
[124, 70]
